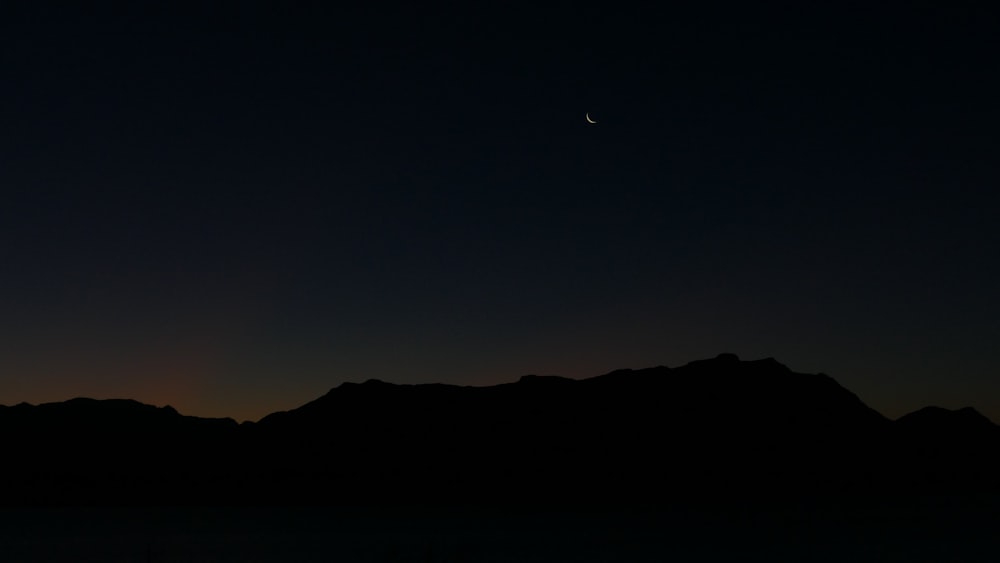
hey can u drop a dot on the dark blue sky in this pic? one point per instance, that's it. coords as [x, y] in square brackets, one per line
[233, 208]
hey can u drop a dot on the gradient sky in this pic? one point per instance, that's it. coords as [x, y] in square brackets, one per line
[235, 207]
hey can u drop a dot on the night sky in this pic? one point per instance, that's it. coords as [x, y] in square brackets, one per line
[233, 208]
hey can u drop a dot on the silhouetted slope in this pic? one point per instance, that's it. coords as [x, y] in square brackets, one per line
[941, 449]
[940, 423]
[90, 451]
[718, 426]
[712, 429]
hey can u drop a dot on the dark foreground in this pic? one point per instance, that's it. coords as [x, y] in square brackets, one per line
[722, 453]
[932, 530]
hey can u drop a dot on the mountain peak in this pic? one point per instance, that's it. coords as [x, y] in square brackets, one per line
[965, 417]
[770, 362]
[714, 426]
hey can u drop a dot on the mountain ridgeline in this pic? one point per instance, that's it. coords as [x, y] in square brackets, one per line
[712, 429]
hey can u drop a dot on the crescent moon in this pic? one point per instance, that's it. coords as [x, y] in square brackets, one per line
[589, 120]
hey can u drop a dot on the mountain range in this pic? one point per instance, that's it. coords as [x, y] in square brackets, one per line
[713, 430]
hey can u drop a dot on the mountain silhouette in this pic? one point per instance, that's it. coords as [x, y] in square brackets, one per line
[717, 429]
